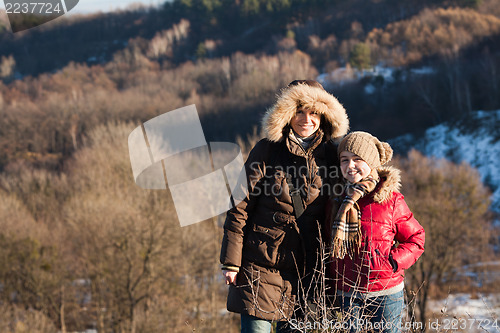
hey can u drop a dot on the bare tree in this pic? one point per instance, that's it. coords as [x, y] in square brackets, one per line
[451, 203]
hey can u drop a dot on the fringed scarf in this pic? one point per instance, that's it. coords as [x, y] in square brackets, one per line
[344, 216]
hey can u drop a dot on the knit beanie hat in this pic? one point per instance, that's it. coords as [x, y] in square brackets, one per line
[374, 152]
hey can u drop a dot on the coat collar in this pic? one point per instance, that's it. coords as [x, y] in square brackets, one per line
[294, 146]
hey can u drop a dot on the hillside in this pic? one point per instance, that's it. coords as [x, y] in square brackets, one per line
[87, 39]
[476, 142]
[132, 53]
[432, 32]
[328, 31]
[125, 64]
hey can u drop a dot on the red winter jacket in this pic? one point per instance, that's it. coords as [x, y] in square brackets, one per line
[392, 240]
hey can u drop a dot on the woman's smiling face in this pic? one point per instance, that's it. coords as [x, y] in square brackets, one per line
[305, 122]
[353, 167]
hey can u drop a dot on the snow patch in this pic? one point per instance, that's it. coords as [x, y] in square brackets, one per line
[423, 71]
[344, 75]
[370, 89]
[464, 313]
[478, 147]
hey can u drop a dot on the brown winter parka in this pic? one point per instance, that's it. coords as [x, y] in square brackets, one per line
[273, 251]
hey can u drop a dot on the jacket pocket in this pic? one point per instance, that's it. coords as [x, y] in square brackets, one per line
[380, 265]
[262, 245]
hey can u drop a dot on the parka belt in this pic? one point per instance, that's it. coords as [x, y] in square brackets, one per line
[283, 218]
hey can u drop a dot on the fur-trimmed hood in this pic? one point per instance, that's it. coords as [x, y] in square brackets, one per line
[390, 181]
[334, 122]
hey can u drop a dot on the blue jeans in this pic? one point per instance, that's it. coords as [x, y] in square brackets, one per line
[379, 314]
[251, 324]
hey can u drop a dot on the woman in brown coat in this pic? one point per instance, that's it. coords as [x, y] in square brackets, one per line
[271, 238]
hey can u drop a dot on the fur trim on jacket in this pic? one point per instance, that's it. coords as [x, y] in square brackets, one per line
[390, 181]
[334, 120]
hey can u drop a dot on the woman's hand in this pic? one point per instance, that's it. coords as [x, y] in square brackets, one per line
[230, 277]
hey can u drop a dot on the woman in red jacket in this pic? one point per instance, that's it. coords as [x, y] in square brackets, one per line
[374, 237]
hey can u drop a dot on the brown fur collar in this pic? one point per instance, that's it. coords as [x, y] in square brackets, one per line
[390, 181]
[276, 119]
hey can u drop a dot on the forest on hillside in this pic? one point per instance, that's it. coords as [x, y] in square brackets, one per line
[85, 248]
[173, 68]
